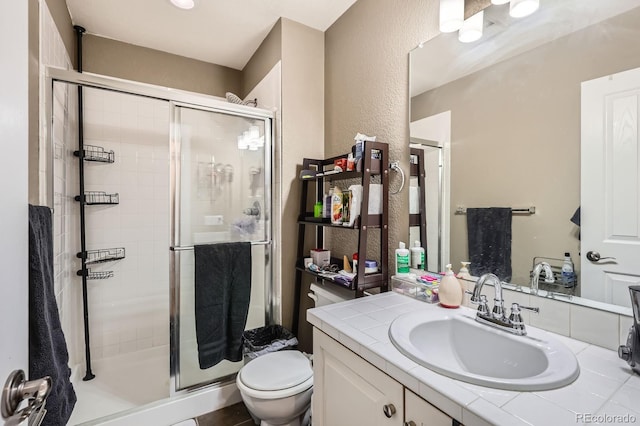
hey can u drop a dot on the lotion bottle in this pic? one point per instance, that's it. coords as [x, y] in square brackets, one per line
[402, 261]
[417, 256]
[450, 290]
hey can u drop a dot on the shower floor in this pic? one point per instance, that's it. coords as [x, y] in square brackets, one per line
[122, 382]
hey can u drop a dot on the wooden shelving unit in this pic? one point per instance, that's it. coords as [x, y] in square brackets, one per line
[373, 168]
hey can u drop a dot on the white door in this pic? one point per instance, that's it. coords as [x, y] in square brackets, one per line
[610, 185]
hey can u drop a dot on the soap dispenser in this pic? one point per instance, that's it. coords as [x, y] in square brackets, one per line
[450, 290]
[464, 271]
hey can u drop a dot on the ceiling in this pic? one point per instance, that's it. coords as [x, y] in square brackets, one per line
[223, 32]
[505, 37]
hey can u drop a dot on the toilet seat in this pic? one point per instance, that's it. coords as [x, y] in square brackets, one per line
[276, 375]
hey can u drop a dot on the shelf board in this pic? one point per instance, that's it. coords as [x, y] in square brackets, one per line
[414, 219]
[372, 222]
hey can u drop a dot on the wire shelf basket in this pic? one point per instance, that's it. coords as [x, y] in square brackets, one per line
[96, 153]
[102, 275]
[103, 255]
[99, 197]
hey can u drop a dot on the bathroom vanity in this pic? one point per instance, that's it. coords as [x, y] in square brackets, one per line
[360, 377]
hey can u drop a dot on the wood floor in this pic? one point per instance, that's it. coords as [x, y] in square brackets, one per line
[234, 415]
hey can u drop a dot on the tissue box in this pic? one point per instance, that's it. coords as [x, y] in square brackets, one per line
[321, 257]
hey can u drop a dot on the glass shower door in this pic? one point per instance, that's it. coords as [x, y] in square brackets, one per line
[222, 169]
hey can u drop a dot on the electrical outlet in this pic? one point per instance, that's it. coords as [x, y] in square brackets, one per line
[214, 220]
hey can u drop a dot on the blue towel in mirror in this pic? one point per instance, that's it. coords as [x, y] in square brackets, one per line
[489, 238]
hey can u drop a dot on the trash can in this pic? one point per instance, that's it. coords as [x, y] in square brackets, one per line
[263, 340]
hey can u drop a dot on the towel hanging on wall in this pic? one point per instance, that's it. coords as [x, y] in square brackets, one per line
[222, 294]
[489, 238]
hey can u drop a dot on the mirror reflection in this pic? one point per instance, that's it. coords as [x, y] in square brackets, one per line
[516, 116]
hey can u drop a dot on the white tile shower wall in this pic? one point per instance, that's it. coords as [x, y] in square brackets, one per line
[53, 53]
[129, 311]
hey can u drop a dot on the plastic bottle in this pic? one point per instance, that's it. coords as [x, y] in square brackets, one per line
[317, 209]
[450, 290]
[464, 271]
[326, 205]
[568, 276]
[402, 261]
[336, 206]
[417, 256]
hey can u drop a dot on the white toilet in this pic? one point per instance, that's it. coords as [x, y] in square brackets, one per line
[276, 388]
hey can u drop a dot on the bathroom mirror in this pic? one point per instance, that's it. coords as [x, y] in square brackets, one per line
[507, 109]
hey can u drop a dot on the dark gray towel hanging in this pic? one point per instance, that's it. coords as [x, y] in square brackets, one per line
[48, 354]
[222, 294]
[489, 237]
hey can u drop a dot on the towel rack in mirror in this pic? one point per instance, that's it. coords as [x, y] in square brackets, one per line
[525, 210]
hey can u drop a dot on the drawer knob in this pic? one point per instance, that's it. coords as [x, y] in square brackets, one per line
[389, 410]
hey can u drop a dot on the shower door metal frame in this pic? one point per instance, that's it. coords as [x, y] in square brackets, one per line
[176, 98]
[176, 248]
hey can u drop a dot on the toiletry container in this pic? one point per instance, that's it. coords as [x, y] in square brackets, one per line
[464, 271]
[417, 256]
[568, 276]
[326, 205]
[336, 206]
[402, 260]
[450, 290]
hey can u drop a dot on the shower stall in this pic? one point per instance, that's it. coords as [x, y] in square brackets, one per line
[174, 169]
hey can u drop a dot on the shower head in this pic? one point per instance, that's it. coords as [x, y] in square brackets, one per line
[235, 99]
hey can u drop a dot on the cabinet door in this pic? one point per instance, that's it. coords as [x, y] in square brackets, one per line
[421, 413]
[349, 391]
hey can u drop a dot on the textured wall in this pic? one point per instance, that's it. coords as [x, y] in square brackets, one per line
[302, 136]
[366, 90]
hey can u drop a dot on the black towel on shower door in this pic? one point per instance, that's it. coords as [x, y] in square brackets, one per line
[489, 237]
[48, 354]
[222, 293]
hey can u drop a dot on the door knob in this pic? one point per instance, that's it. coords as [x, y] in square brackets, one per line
[389, 410]
[594, 256]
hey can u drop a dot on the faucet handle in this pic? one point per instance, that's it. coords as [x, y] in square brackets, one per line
[516, 307]
[483, 308]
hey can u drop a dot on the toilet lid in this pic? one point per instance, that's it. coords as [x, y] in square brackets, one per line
[276, 371]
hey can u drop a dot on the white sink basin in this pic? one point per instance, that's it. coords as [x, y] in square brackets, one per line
[457, 346]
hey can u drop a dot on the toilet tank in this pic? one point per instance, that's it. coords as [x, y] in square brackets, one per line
[325, 295]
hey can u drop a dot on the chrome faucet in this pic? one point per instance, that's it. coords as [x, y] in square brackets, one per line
[497, 318]
[535, 276]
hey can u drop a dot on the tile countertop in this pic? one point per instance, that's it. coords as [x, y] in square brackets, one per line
[606, 385]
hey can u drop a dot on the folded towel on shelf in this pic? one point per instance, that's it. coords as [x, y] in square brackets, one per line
[48, 354]
[489, 238]
[222, 294]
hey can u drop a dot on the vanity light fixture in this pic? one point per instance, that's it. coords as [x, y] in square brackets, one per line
[183, 4]
[522, 8]
[451, 15]
[472, 28]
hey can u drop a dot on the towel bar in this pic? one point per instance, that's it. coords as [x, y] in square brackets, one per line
[526, 210]
[184, 248]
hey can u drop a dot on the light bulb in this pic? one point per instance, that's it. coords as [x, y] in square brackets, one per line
[472, 28]
[522, 8]
[451, 15]
[183, 4]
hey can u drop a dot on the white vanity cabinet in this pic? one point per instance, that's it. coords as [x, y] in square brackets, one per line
[419, 412]
[349, 391]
